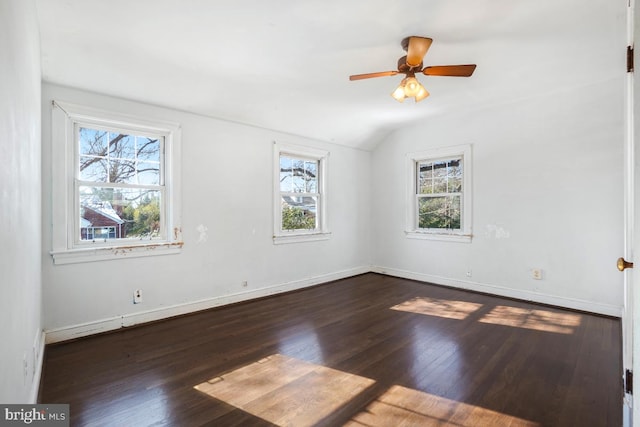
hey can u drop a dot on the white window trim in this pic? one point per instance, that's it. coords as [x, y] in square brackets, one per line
[412, 231]
[63, 155]
[322, 232]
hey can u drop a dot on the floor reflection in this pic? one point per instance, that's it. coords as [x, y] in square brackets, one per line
[541, 320]
[401, 406]
[155, 407]
[286, 391]
[449, 309]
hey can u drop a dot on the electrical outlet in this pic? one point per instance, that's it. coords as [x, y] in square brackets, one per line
[245, 283]
[536, 274]
[469, 273]
[137, 296]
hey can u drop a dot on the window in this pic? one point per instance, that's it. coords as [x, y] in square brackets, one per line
[439, 194]
[119, 184]
[299, 194]
[115, 185]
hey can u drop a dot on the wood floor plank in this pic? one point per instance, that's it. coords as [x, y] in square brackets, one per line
[427, 355]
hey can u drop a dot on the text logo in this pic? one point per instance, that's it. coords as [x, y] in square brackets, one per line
[54, 415]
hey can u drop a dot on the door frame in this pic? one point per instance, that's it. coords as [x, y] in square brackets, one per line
[631, 188]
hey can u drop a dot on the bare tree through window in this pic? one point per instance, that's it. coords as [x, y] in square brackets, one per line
[120, 182]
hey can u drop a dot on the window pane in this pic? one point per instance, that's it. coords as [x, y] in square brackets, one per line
[148, 148]
[94, 169]
[439, 212]
[311, 176]
[93, 142]
[148, 173]
[121, 170]
[454, 175]
[286, 174]
[299, 212]
[440, 177]
[122, 146]
[425, 177]
[131, 213]
[298, 182]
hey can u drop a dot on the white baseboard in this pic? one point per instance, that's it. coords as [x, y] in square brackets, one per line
[38, 360]
[559, 301]
[117, 322]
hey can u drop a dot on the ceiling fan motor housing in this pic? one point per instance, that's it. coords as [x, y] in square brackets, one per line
[403, 67]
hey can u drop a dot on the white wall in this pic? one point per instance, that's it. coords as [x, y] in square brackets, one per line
[547, 193]
[227, 187]
[547, 176]
[20, 188]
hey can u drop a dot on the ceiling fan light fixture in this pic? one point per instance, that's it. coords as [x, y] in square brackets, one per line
[422, 94]
[411, 86]
[398, 94]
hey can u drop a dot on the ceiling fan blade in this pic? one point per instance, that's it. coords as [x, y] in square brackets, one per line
[416, 48]
[450, 70]
[371, 75]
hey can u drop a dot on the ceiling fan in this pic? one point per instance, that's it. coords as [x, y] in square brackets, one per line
[411, 63]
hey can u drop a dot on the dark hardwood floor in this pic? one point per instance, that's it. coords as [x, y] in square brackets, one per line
[370, 350]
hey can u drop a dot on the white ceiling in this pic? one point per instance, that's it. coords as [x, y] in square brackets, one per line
[284, 64]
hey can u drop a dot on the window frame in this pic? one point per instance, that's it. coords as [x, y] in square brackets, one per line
[67, 245]
[321, 232]
[464, 234]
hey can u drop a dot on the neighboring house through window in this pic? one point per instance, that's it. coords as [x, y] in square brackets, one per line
[121, 185]
[439, 194]
[100, 222]
[299, 194]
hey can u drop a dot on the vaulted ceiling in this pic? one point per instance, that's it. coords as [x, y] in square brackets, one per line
[284, 64]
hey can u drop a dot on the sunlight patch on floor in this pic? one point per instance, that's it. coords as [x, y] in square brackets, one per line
[286, 391]
[401, 406]
[449, 309]
[541, 320]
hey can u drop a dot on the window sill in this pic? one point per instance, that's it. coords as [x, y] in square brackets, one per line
[446, 237]
[74, 256]
[296, 238]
